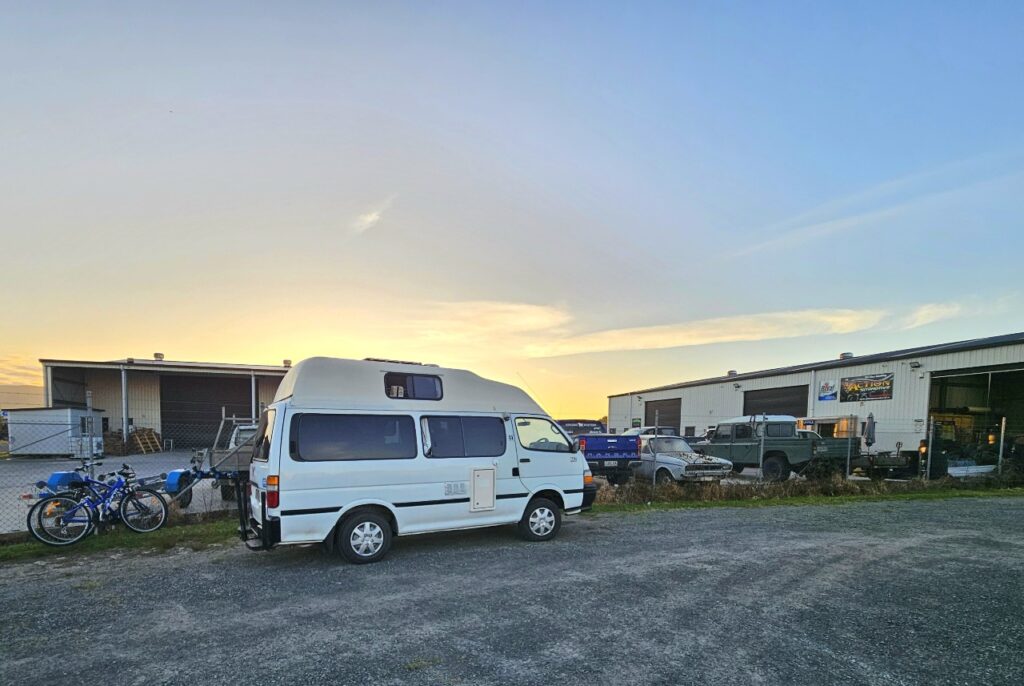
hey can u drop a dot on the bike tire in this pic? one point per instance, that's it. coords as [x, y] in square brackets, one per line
[142, 499]
[42, 515]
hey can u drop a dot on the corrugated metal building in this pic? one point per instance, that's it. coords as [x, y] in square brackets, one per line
[967, 387]
[180, 400]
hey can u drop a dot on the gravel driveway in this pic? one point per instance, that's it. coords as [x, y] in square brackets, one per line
[870, 593]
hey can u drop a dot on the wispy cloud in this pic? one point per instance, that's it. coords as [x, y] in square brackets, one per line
[930, 313]
[753, 327]
[887, 199]
[20, 370]
[367, 220]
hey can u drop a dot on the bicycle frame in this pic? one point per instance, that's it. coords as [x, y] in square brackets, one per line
[98, 505]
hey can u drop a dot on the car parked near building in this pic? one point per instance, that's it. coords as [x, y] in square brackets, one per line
[669, 459]
[767, 441]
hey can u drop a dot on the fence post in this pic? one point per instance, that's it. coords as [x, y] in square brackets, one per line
[1002, 441]
[850, 430]
[88, 427]
[931, 441]
[760, 457]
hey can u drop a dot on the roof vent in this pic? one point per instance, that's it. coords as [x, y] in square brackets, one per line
[286, 363]
[845, 356]
[159, 357]
[130, 360]
[732, 372]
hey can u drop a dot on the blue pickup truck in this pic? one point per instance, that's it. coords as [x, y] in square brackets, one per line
[610, 456]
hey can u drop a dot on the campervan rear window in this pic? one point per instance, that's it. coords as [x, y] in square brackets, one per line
[464, 436]
[319, 437]
[412, 386]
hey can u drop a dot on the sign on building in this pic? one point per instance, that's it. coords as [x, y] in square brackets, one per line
[828, 390]
[867, 387]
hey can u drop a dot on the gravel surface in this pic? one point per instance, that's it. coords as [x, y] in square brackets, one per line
[869, 593]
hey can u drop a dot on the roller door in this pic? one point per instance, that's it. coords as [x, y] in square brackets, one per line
[790, 400]
[668, 412]
[190, 406]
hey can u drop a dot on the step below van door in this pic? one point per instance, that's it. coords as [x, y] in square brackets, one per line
[546, 458]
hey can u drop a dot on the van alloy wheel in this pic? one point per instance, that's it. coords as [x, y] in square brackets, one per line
[542, 521]
[363, 537]
[367, 539]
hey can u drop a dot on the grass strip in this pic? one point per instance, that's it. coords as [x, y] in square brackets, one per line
[803, 500]
[194, 536]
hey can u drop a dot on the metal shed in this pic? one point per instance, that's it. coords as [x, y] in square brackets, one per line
[54, 431]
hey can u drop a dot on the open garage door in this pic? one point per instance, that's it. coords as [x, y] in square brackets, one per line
[663, 413]
[791, 400]
[190, 406]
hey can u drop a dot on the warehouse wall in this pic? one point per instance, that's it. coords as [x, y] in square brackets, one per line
[901, 419]
[143, 396]
[266, 390]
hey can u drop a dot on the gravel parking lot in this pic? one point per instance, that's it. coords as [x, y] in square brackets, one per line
[871, 593]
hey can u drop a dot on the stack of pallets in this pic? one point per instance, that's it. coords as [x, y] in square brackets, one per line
[113, 443]
[146, 441]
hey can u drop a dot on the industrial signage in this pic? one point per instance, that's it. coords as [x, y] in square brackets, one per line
[636, 422]
[868, 387]
[828, 390]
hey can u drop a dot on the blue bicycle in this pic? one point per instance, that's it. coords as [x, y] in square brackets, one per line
[65, 519]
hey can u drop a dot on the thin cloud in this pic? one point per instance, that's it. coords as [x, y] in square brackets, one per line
[887, 199]
[366, 221]
[754, 327]
[930, 313]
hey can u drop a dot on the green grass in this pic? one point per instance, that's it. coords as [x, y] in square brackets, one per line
[808, 500]
[194, 536]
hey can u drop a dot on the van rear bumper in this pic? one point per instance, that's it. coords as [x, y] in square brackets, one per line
[263, 536]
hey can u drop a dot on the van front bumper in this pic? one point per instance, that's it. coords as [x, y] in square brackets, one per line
[589, 494]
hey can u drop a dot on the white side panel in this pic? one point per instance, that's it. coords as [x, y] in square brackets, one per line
[483, 489]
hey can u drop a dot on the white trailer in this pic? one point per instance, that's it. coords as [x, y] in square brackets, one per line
[55, 431]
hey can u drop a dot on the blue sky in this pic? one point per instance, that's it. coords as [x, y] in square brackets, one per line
[521, 189]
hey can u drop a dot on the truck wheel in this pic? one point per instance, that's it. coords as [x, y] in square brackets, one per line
[775, 468]
[663, 477]
[364, 537]
[736, 468]
[541, 521]
[617, 479]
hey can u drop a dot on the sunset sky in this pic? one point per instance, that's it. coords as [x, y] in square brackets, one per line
[578, 198]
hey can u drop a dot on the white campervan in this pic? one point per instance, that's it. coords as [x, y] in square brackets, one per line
[353, 452]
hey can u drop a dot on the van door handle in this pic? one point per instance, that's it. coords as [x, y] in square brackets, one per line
[523, 459]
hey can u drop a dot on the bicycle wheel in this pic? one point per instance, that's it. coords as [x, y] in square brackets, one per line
[143, 510]
[60, 520]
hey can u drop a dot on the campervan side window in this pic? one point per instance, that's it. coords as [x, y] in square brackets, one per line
[541, 434]
[463, 436]
[320, 437]
[264, 432]
[412, 386]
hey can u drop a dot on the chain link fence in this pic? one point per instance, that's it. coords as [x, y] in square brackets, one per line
[32, 450]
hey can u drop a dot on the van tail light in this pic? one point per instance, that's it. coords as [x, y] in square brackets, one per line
[273, 494]
[639, 446]
[583, 444]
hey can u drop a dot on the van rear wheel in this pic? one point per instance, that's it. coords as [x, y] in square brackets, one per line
[364, 537]
[541, 521]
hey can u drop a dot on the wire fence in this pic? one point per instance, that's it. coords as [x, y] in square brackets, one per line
[31, 451]
[961, 446]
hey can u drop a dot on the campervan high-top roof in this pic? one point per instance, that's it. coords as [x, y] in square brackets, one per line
[332, 383]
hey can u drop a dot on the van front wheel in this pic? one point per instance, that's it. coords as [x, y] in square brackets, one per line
[541, 521]
[364, 537]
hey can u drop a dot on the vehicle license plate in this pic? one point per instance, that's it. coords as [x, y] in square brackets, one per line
[611, 463]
